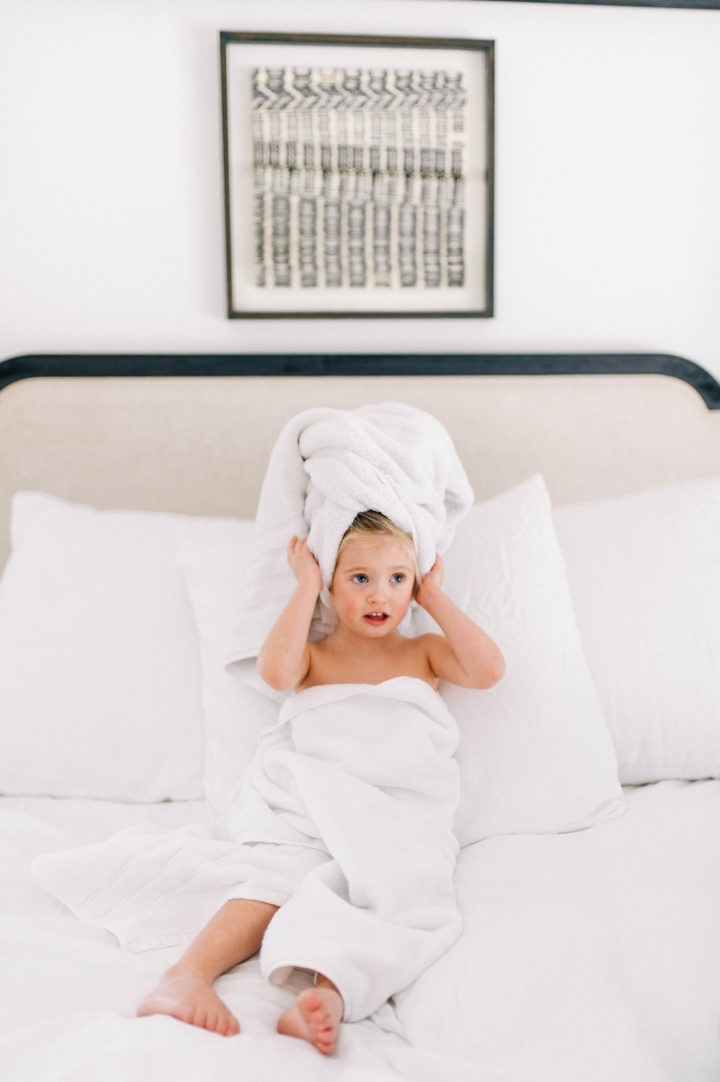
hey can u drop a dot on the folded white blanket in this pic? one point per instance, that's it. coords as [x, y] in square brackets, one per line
[328, 465]
[353, 793]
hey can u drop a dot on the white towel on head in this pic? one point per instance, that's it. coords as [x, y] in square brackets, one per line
[327, 466]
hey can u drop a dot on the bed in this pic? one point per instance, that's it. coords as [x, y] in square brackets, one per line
[589, 872]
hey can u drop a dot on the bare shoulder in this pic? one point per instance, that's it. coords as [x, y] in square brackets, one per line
[440, 658]
[429, 643]
[324, 666]
[418, 653]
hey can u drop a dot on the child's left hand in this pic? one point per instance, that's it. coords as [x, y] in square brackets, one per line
[432, 581]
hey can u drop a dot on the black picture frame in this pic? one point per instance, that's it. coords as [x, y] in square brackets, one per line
[358, 175]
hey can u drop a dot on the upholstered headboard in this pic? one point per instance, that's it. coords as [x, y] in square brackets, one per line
[192, 433]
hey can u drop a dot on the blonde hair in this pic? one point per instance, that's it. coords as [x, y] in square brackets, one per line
[370, 525]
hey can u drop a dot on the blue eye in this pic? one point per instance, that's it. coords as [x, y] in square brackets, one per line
[361, 579]
[398, 577]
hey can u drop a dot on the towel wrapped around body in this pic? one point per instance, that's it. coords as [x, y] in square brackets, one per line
[328, 465]
[345, 820]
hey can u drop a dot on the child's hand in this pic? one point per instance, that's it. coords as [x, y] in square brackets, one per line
[302, 562]
[430, 583]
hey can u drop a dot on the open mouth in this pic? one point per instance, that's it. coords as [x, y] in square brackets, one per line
[376, 618]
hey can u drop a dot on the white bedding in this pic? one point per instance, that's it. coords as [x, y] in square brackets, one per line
[359, 784]
[590, 956]
[585, 957]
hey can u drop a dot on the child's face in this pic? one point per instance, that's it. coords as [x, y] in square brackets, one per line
[373, 586]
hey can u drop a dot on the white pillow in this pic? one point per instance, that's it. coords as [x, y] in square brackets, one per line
[644, 571]
[99, 672]
[535, 754]
[237, 704]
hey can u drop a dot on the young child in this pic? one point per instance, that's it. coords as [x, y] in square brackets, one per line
[375, 579]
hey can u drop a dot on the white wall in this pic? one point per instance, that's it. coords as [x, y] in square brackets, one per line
[608, 177]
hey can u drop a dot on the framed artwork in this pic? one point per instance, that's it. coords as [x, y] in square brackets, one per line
[358, 175]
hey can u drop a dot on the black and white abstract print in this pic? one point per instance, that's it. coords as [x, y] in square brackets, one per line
[359, 178]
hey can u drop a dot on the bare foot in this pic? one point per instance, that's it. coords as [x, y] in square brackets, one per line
[190, 999]
[315, 1017]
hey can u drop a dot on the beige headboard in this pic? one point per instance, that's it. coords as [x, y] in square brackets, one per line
[199, 444]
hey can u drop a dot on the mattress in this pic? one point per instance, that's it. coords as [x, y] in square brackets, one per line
[592, 955]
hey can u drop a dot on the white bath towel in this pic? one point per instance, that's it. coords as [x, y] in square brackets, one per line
[373, 779]
[328, 465]
[347, 817]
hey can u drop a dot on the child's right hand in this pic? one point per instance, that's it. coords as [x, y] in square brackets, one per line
[302, 562]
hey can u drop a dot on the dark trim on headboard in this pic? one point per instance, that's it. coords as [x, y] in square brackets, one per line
[359, 364]
[710, 4]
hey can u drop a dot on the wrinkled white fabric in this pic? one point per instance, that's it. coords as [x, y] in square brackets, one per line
[347, 818]
[590, 956]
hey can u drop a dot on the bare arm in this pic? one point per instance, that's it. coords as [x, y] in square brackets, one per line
[466, 656]
[284, 657]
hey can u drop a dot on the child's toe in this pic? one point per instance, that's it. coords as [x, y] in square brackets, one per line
[231, 1027]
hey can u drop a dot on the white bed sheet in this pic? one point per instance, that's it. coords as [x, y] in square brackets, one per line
[592, 955]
